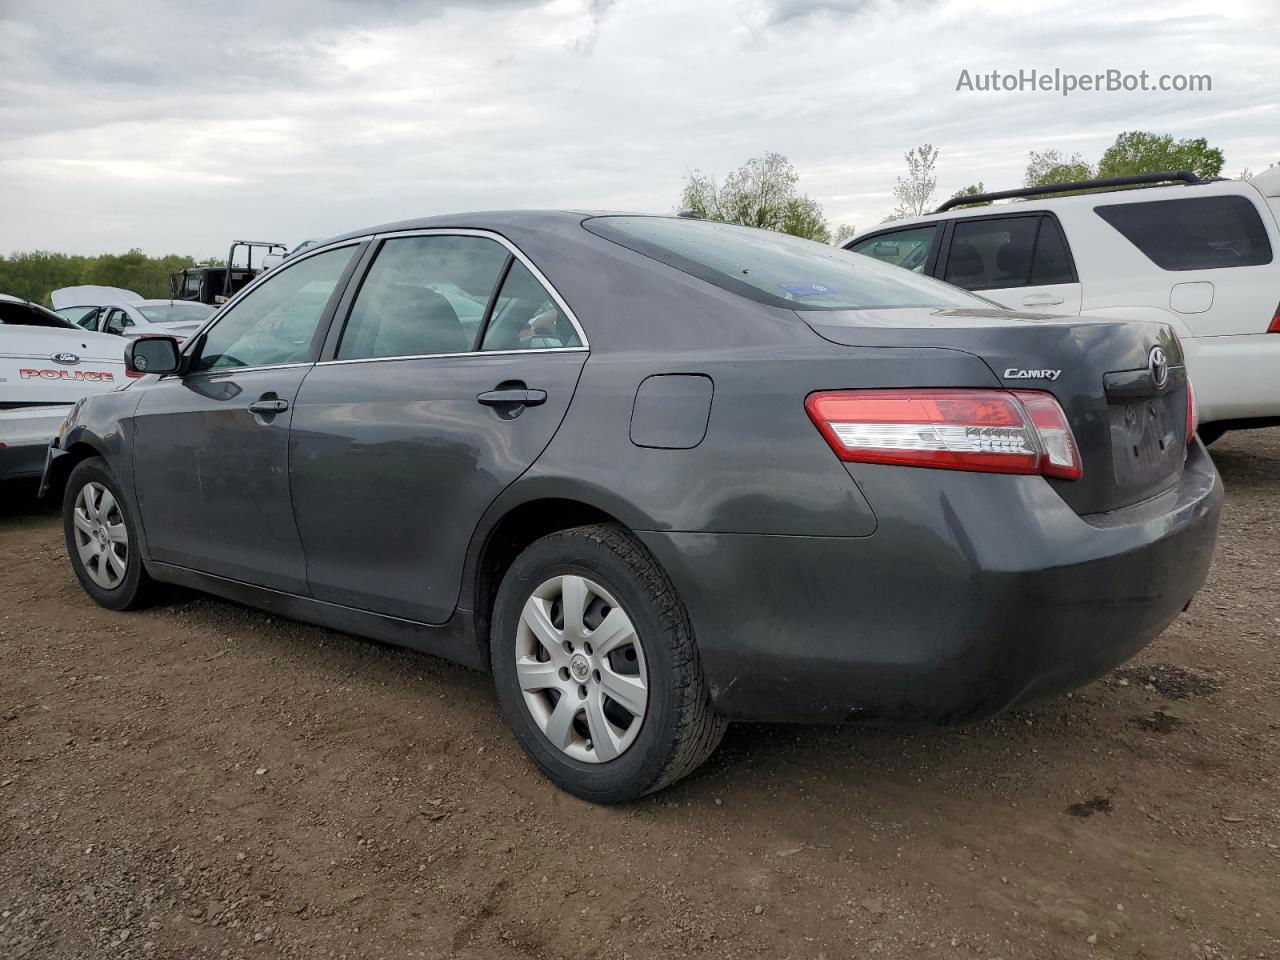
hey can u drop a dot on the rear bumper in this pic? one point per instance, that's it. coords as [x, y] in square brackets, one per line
[976, 593]
[25, 433]
[1235, 378]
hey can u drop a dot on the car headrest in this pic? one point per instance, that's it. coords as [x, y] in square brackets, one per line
[416, 321]
[965, 261]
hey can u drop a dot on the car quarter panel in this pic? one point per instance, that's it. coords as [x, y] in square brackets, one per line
[977, 592]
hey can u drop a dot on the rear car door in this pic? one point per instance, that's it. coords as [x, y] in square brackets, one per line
[454, 369]
[1020, 261]
[211, 447]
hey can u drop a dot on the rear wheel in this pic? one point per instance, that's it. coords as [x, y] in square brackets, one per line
[596, 669]
[102, 538]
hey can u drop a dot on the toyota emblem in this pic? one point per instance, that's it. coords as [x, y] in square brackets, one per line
[1158, 365]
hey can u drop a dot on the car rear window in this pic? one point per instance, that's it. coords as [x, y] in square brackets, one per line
[1194, 233]
[777, 269]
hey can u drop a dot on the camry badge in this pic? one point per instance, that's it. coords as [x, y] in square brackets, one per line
[1013, 373]
[68, 359]
[1158, 365]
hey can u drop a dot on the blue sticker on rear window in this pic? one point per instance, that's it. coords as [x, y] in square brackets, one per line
[806, 289]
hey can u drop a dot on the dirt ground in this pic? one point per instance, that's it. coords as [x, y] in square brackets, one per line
[201, 780]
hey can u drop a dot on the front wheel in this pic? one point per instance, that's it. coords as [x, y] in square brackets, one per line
[102, 539]
[596, 669]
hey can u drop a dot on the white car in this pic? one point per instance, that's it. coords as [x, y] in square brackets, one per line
[174, 318]
[1203, 256]
[46, 364]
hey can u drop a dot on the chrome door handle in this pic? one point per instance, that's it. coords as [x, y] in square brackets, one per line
[511, 398]
[1041, 300]
[266, 408]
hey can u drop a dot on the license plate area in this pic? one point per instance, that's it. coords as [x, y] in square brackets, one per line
[1146, 441]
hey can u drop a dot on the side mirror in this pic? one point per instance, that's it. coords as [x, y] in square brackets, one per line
[152, 355]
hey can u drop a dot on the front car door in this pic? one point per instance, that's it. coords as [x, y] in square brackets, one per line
[211, 447]
[1020, 261]
[452, 373]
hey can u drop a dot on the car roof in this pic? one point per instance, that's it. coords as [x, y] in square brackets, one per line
[495, 220]
[1049, 203]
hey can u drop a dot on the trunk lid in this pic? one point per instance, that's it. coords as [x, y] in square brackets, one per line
[1129, 426]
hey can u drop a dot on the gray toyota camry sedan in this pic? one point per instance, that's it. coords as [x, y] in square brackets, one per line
[656, 474]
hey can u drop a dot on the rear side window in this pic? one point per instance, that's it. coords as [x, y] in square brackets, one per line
[904, 248]
[776, 269]
[525, 317]
[1195, 233]
[423, 296]
[991, 254]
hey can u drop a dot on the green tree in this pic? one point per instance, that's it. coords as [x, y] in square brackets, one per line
[1137, 152]
[914, 192]
[33, 276]
[1050, 166]
[844, 233]
[972, 190]
[761, 193]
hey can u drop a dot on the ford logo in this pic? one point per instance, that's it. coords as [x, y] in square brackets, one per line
[69, 359]
[1158, 365]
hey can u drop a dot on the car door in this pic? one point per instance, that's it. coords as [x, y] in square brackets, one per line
[117, 321]
[1020, 261]
[211, 446]
[912, 248]
[453, 371]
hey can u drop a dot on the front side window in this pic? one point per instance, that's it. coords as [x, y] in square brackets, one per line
[1193, 233]
[116, 321]
[992, 254]
[904, 248]
[525, 317]
[277, 321]
[776, 269]
[423, 296]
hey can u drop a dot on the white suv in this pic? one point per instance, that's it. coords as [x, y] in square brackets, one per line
[1201, 255]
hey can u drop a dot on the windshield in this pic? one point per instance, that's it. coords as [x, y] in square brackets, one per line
[176, 312]
[777, 269]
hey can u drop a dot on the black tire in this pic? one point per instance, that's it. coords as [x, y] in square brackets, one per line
[679, 729]
[135, 588]
[1209, 433]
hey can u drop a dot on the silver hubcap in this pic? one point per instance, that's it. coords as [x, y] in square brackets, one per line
[101, 538]
[581, 669]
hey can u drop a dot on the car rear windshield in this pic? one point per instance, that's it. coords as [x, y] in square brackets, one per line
[1193, 233]
[777, 269]
[176, 312]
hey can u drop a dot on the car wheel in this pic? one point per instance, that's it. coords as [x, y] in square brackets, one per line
[102, 538]
[596, 668]
[1210, 432]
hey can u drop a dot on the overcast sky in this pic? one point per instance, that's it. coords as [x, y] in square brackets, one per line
[177, 127]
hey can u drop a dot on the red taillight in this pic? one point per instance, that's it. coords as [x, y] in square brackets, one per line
[1275, 322]
[1193, 413]
[993, 431]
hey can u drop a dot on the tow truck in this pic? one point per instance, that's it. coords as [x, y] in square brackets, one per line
[217, 284]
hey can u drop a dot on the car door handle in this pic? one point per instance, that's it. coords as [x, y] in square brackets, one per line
[267, 408]
[512, 398]
[1041, 300]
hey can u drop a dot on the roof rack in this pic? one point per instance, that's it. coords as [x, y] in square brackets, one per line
[1172, 176]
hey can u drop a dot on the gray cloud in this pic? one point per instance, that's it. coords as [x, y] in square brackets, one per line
[174, 129]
